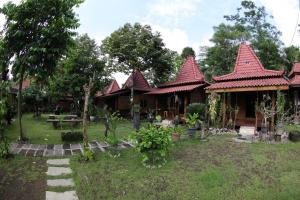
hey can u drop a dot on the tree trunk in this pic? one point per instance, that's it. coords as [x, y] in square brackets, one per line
[87, 91]
[224, 110]
[22, 136]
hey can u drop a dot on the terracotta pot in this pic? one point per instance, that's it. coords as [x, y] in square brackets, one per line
[175, 137]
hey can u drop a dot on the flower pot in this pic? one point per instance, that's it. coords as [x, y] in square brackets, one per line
[277, 137]
[175, 137]
[191, 132]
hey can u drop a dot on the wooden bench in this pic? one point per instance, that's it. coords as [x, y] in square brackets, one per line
[70, 119]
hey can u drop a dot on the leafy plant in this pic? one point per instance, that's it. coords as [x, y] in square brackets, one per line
[213, 101]
[88, 155]
[153, 143]
[177, 129]
[158, 118]
[198, 108]
[192, 120]
[4, 148]
[112, 138]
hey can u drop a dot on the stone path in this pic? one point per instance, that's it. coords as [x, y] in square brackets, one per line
[56, 169]
[59, 150]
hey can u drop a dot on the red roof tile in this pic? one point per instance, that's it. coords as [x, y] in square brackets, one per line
[295, 80]
[188, 73]
[112, 87]
[174, 89]
[249, 83]
[295, 69]
[248, 66]
[26, 84]
[137, 81]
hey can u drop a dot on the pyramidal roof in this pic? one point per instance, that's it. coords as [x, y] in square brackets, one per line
[295, 75]
[112, 87]
[248, 66]
[137, 81]
[188, 73]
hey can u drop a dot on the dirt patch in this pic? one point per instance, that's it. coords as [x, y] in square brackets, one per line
[23, 180]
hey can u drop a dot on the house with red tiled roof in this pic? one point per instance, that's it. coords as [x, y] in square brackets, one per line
[246, 85]
[294, 77]
[121, 99]
[172, 98]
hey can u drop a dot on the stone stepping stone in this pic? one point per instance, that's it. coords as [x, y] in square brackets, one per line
[58, 171]
[68, 195]
[65, 161]
[61, 183]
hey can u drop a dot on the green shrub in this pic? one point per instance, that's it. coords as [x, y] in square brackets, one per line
[196, 108]
[88, 155]
[4, 148]
[71, 136]
[158, 118]
[153, 143]
[192, 120]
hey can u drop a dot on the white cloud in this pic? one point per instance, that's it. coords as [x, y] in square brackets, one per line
[2, 2]
[173, 10]
[285, 16]
[120, 78]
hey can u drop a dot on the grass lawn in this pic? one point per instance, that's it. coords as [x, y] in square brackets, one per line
[217, 169]
[41, 132]
[22, 178]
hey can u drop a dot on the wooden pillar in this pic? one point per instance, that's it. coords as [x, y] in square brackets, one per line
[156, 108]
[256, 112]
[296, 99]
[185, 103]
[273, 112]
[224, 110]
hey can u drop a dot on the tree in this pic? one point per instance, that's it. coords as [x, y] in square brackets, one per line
[250, 23]
[37, 33]
[137, 47]
[187, 51]
[291, 55]
[85, 69]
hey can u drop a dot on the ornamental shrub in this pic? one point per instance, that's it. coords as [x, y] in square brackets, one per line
[153, 142]
[4, 147]
[197, 108]
[71, 136]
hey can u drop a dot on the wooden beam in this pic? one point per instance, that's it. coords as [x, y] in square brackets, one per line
[224, 110]
[273, 111]
[249, 89]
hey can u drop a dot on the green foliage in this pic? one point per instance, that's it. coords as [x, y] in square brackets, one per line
[192, 120]
[213, 101]
[158, 118]
[292, 54]
[153, 142]
[113, 120]
[88, 155]
[4, 147]
[280, 105]
[137, 47]
[71, 136]
[250, 23]
[198, 108]
[187, 51]
[177, 129]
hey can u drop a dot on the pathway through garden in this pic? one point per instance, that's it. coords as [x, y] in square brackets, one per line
[59, 182]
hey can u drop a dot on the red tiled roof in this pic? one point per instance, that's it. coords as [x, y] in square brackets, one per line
[295, 69]
[249, 83]
[295, 80]
[137, 81]
[248, 66]
[188, 73]
[174, 89]
[26, 84]
[112, 87]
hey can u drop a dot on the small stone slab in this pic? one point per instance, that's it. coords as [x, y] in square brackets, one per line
[34, 146]
[76, 151]
[26, 146]
[39, 153]
[68, 152]
[247, 130]
[75, 146]
[30, 152]
[23, 152]
[42, 147]
[58, 146]
[61, 183]
[58, 171]
[65, 161]
[68, 195]
[49, 152]
[66, 146]
[50, 146]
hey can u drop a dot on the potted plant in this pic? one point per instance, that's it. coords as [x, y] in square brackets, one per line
[191, 121]
[198, 108]
[176, 133]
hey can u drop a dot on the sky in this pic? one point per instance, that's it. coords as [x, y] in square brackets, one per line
[181, 22]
